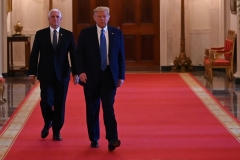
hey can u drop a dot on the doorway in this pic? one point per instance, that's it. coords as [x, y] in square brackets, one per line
[139, 21]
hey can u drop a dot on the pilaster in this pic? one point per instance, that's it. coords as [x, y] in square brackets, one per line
[237, 74]
[3, 34]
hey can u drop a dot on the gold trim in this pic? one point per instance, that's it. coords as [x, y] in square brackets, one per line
[11, 132]
[9, 6]
[213, 106]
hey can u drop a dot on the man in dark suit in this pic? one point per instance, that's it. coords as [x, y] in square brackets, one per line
[101, 59]
[49, 63]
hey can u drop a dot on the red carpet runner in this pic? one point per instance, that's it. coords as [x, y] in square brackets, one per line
[160, 117]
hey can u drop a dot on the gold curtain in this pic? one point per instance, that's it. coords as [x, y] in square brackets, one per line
[9, 5]
[50, 4]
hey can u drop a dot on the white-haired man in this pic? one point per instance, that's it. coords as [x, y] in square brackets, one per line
[49, 64]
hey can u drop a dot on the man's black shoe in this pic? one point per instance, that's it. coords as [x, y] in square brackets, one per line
[113, 144]
[44, 133]
[45, 130]
[94, 144]
[57, 138]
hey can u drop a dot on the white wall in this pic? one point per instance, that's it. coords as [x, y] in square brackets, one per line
[234, 24]
[32, 14]
[3, 37]
[204, 28]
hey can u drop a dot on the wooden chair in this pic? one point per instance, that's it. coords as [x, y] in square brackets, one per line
[2, 89]
[221, 57]
[2, 99]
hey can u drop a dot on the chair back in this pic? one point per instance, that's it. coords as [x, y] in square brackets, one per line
[221, 57]
[230, 45]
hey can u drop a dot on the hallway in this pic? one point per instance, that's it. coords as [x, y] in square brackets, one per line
[17, 87]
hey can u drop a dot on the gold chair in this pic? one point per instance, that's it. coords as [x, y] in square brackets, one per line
[221, 57]
[2, 89]
[2, 99]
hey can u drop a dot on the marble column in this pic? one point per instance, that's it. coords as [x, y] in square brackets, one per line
[3, 33]
[1, 40]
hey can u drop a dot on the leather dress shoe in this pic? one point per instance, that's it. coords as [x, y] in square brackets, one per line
[57, 138]
[113, 144]
[45, 130]
[94, 144]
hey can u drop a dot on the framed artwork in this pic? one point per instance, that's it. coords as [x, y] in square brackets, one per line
[233, 6]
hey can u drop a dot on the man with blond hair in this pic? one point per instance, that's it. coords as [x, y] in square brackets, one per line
[101, 63]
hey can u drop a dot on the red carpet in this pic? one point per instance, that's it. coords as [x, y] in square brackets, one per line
[160, 117]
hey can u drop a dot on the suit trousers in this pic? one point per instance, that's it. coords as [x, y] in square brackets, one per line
[105, 93]
[53, 99]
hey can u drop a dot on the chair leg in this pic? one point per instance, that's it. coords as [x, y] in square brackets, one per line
[229, 73]
[206, 74]
[206, 71]
[210, 74]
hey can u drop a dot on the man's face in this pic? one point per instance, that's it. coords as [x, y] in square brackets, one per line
[101, 18]
[54, 19]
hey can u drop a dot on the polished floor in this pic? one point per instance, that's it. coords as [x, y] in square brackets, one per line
[228, 93]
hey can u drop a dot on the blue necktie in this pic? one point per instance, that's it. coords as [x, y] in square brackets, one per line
[103, 50]
[54, 43]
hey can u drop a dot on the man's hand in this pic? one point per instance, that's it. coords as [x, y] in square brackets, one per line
[32, 79]
[83, 77]
[120, 82]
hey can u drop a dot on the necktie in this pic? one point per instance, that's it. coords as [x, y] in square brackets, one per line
[103, 50]
[54, 43]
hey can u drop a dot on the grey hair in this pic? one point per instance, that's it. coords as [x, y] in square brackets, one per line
[101, 8]
[52, 10]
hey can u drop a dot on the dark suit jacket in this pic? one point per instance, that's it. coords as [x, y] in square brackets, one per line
[50, 61]
[88, 54]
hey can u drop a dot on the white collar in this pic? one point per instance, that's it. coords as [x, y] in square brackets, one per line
[100, 29]
[51, 29]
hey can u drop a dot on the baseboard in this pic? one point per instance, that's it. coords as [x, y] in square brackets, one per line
[237, 80]
[169, 68]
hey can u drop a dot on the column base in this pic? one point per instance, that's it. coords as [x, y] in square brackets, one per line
[236, 75]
